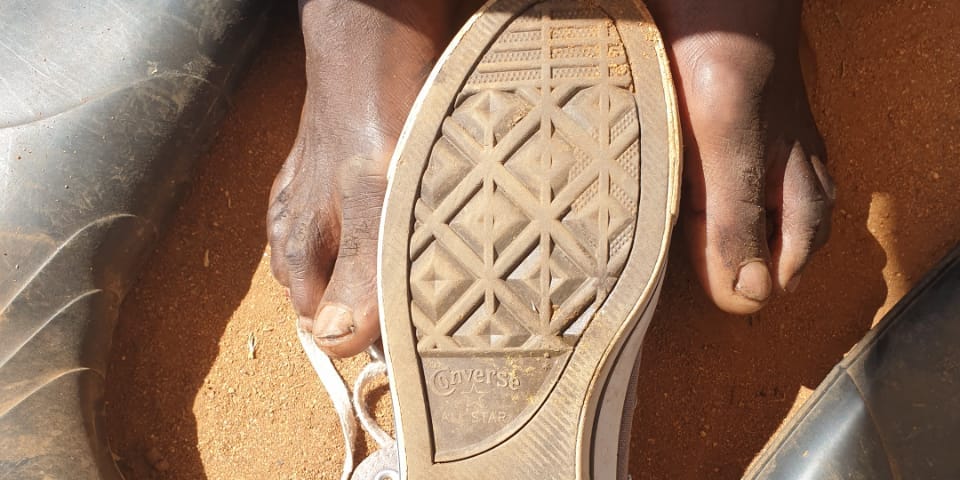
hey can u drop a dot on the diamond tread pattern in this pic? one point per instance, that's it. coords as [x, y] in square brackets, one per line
[528, 205]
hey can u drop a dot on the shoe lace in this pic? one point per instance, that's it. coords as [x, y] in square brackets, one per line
[352, 409]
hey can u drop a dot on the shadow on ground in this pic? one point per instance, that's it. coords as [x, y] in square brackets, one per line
[171, 325]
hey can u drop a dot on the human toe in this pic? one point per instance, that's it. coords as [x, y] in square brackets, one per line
[804, 225]
[347, 322]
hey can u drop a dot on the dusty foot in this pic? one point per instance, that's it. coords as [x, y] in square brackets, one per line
[366, 61]
[757, 195]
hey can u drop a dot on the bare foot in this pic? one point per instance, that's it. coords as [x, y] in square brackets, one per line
[366, 61]
[757, 195]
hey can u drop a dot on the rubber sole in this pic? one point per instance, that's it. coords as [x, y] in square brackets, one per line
[524, 235]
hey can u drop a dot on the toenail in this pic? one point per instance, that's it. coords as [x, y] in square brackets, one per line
[753, 281]
[333, 324]
[793, 283]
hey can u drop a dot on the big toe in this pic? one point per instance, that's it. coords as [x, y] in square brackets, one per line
[731, 259]
[346, 322]
[725, 174]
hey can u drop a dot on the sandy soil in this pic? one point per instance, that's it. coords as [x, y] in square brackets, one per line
[187, 399]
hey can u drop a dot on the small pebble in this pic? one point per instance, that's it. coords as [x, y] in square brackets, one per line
[156, 460]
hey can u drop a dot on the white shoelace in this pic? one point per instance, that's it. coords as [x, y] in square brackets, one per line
[350, 407]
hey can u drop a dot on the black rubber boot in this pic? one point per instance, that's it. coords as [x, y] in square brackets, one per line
[104, 107]
[891, 409]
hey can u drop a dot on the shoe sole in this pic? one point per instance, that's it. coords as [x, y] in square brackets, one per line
[524, 236]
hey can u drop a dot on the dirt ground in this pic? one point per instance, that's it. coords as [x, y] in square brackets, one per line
[187, 400]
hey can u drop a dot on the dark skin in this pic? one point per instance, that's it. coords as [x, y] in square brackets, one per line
[757, 196]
